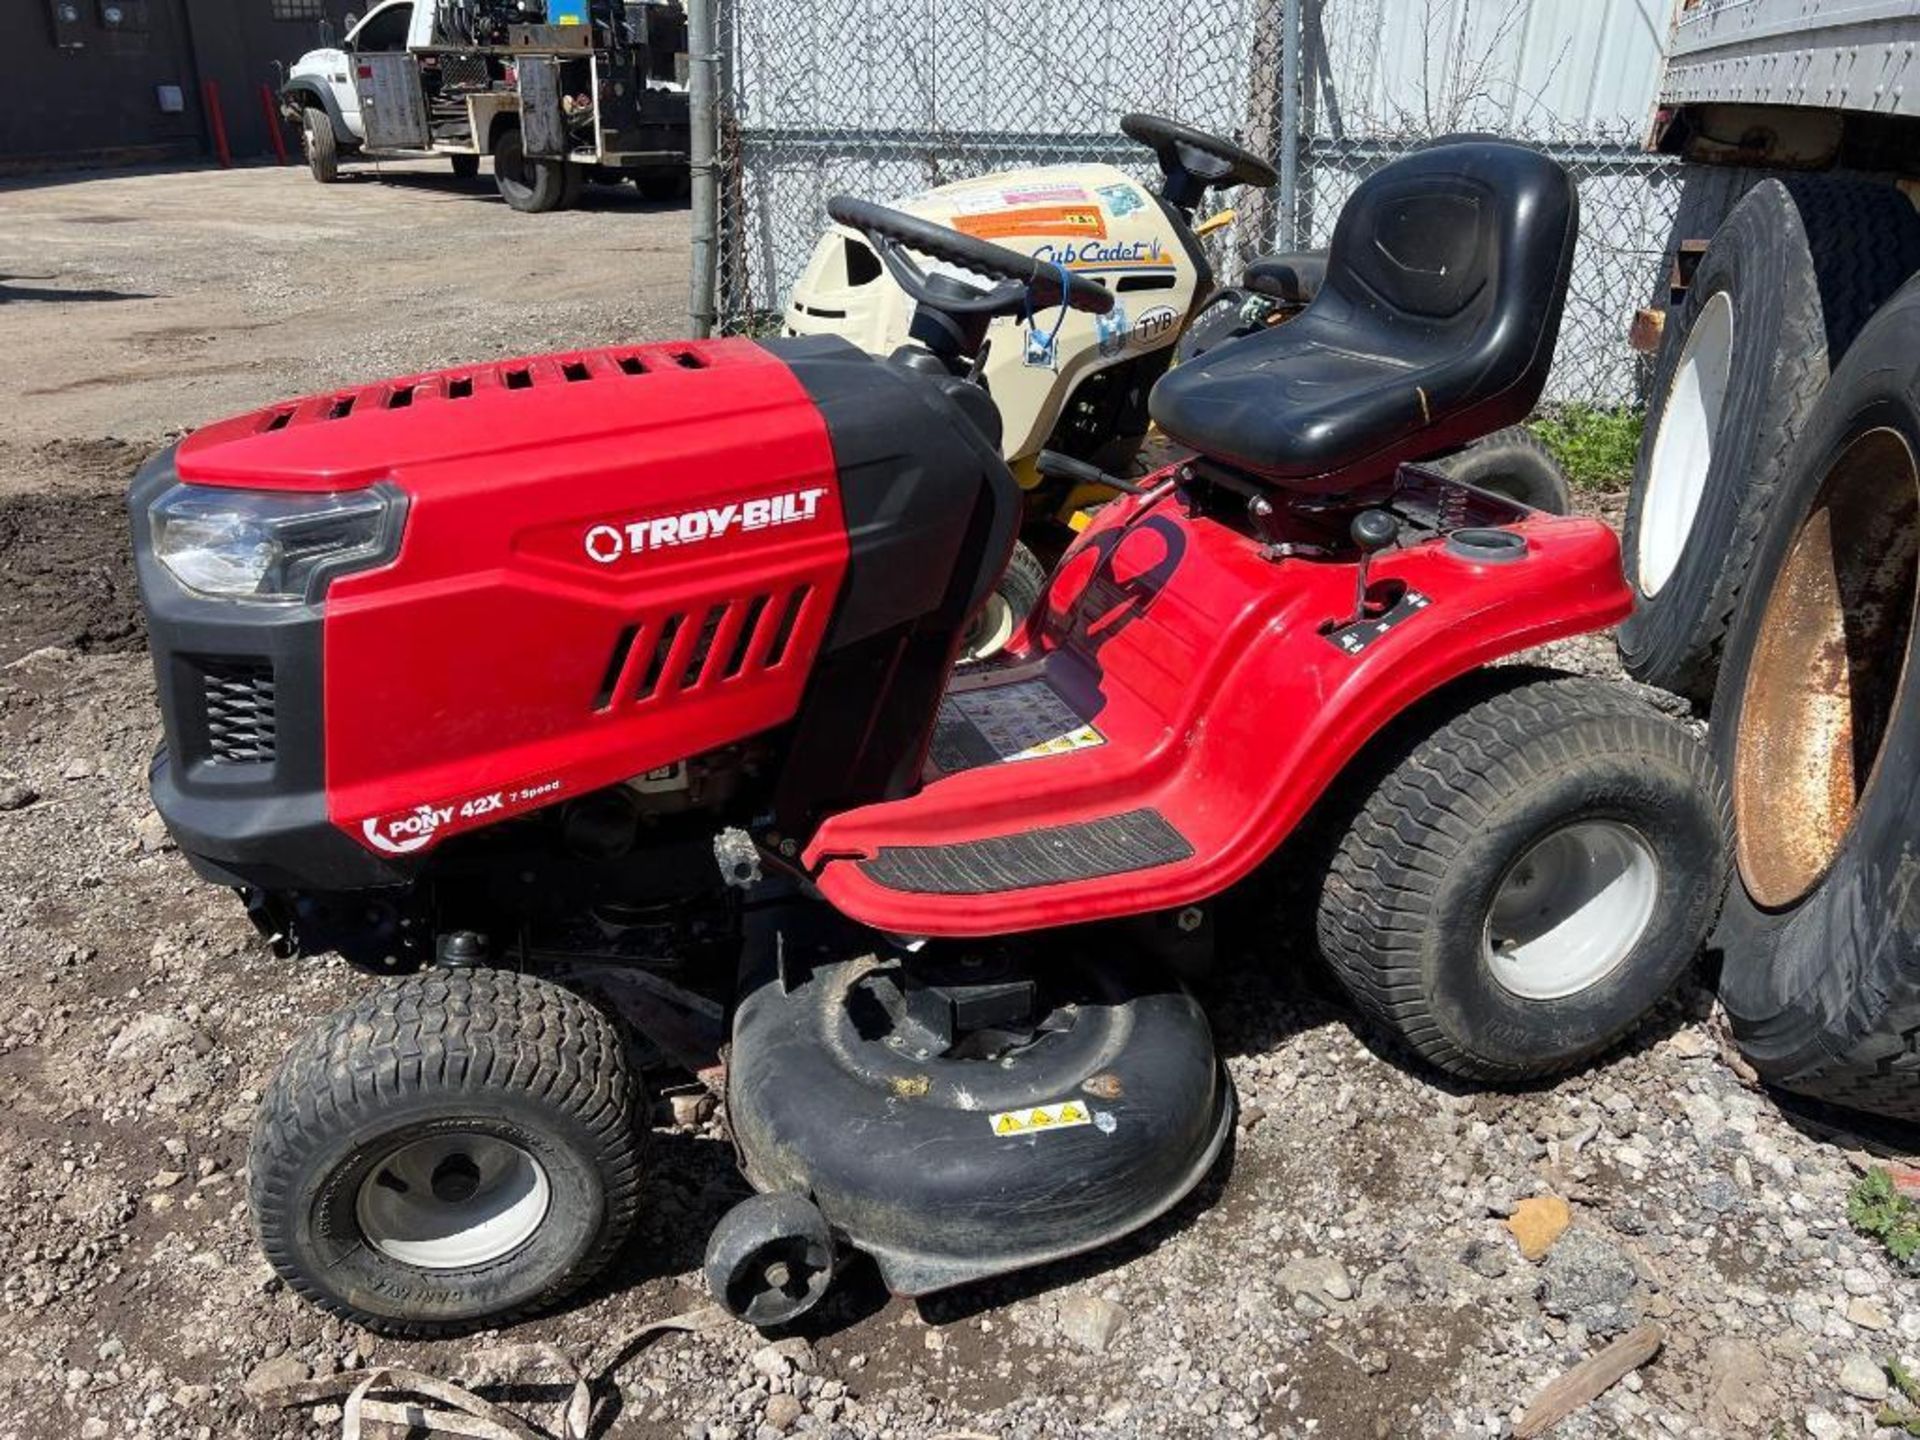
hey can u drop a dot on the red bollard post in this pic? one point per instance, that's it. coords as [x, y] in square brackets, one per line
[272, 114]
[210, 97]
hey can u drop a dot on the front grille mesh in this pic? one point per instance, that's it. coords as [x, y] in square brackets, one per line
[239, 707]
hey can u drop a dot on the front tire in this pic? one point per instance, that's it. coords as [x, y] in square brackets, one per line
[460, 1148]
[1527, 879]
[1006, 609]
[323, 152]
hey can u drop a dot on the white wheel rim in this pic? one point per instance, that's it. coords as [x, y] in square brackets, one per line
[992, 628]
[1570, 910]
[450, 1201]
[1683, 446]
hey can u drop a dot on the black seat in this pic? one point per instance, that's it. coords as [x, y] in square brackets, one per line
[1434, 325]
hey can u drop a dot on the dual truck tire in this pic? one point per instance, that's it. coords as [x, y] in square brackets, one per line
[1771, 540]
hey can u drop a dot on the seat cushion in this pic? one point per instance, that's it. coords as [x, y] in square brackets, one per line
[1434, 325]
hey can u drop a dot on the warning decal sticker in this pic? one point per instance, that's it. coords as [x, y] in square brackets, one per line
[1061, 1115]
[1087, 220]
[1026, 720]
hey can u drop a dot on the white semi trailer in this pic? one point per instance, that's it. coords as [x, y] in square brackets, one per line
[1774, 525]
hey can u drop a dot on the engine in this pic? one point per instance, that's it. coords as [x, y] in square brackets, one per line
[560, 619]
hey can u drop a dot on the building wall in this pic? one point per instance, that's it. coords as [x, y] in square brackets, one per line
[82, 78]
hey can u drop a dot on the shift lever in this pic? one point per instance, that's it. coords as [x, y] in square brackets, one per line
[1372, 531]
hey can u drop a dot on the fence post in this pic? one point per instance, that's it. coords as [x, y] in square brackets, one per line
[703, 62]
[1291, 32]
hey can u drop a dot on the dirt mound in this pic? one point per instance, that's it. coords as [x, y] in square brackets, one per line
[66, 573]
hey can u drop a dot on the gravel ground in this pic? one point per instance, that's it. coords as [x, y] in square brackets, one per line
[1347, 1270]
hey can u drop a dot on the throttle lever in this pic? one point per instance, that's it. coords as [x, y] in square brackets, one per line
[1371, 532]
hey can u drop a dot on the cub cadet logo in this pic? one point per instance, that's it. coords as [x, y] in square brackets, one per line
[608, 543]
[1119, 255]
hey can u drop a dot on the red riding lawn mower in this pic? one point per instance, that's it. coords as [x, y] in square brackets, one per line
[611, 698]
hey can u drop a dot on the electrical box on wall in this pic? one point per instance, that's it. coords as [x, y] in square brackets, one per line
[69, 31]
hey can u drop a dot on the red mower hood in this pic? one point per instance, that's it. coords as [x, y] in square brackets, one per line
[351, 438]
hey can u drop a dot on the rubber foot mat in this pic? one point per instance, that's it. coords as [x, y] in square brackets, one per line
[1057, 855]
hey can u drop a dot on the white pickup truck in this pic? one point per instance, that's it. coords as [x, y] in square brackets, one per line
[600, 95]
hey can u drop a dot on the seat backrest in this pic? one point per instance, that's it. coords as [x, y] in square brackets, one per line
[1474, 234]
[1435, 324]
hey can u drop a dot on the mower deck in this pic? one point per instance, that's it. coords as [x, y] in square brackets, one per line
[1140, 749]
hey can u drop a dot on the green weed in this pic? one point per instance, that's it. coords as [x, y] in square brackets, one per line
[1878, 1209]
[1595, 447]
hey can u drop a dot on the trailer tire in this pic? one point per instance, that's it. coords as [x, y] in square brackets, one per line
[515, 1095]
[532, 187]
[1516, 463]
[1817, 724]
[323, 152]
[573, 180]
[1787, 282]
[1459, 909]
[465, 167]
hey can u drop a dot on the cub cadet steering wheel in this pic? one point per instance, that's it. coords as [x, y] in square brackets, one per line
[892, 233]
[1194, 161]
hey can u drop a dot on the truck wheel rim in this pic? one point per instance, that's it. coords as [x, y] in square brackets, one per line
[1570, 910]
[1828, 669]
[1683, 445]
[453, 1200]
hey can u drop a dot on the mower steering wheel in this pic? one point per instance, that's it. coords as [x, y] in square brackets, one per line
[1025, 283]
[1192, 159]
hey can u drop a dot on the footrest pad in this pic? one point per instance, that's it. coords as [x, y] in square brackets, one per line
[1057, 855]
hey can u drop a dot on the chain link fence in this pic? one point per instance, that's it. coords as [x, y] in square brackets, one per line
[886, 98]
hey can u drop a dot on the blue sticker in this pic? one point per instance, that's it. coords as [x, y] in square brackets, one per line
[1111, 330]
[1121, 199]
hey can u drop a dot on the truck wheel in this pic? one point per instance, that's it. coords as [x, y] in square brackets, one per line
[573, 179]
[457, 1149]
[465, 167]
[1817, 724]
[1789, 279]
[323, 154]
[530, 186]
[1515, 463]
[1524, 881]
[1012, 600]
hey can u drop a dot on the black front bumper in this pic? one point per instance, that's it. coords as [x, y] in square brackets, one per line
[241, 781]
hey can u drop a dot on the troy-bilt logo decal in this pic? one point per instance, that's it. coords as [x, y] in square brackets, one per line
[415, 829]
[608, 543]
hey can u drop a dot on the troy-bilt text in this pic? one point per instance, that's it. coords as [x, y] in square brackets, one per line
[608, 543]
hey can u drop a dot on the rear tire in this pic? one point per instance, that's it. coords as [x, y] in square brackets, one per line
[1515, 463]
[529, 186]
[323, 153]
[457, 1149]
[465, 167]
[1460, 909]
[1788, 281]
[1817, 724]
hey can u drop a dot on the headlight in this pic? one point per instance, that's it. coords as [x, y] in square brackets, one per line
[259, 545]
